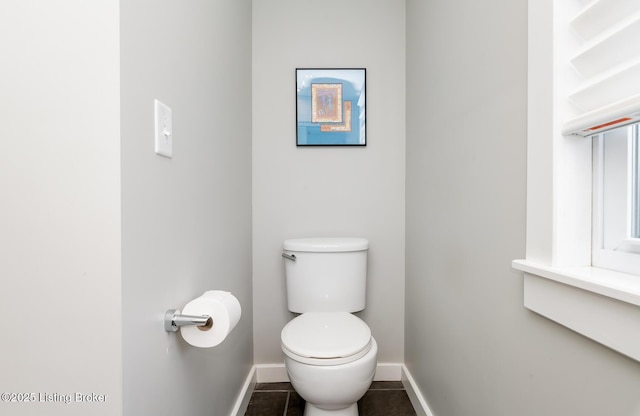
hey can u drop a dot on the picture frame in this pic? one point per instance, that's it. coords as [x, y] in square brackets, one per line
[331, 107]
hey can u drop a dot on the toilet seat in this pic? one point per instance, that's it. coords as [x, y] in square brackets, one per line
[326, 338]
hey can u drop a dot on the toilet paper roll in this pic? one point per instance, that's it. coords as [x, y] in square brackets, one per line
[223, 308]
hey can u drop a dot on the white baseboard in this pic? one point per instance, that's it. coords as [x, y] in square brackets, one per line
[388, 372]
[242, 402]
[271, 373]
[277, 373]
[415, 395]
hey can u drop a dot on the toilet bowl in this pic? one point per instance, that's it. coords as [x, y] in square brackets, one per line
[331, 359]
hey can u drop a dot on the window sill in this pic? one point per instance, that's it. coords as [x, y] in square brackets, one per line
[600, 304]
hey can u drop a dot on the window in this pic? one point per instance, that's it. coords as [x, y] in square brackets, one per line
[616, 208]
[584, 79]
[604, 74]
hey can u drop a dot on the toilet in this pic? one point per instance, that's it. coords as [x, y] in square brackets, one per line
[330, 354]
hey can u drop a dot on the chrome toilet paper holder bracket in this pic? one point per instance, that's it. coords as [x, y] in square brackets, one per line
[173, 320]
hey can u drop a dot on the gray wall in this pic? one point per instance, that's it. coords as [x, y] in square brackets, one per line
[323, 192]
[60, 205]
[471, 346]
[186, 222]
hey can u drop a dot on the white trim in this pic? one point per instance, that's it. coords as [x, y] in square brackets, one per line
[597, 303]
[558, 167]
[271, 373]
[388, 372]
[242, 402]
[277, 373]
[418, 401]
[623, 259]
[616, 285]
[601, 318]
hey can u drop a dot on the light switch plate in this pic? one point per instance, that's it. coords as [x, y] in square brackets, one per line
[163, 129]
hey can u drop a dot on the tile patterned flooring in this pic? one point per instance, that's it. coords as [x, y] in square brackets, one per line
[384, 398]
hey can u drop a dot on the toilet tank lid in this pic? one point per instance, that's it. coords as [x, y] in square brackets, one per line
[326, 245]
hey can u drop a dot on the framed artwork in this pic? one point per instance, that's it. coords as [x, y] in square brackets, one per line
[331, 107]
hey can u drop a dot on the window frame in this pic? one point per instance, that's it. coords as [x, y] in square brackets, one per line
[559, 280]
[626, 258]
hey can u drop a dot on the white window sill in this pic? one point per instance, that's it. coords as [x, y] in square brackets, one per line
[600, 304]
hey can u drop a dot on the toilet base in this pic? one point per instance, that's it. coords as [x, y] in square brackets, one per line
[311, 410]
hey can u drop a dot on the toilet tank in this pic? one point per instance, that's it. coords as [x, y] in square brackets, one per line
[326, 274]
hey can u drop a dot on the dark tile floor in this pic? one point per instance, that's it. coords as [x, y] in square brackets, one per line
[384, 398]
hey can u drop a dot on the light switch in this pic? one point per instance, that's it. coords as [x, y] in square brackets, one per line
[163, 129]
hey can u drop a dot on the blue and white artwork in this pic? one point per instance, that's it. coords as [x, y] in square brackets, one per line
[330, 107]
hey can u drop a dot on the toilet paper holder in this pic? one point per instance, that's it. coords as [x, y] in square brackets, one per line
[173, 320]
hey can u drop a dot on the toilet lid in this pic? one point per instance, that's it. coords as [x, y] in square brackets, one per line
[326, 335]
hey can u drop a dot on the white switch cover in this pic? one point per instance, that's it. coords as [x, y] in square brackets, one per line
[164, 129]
